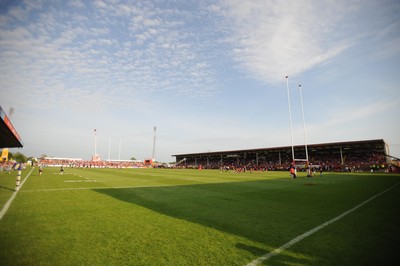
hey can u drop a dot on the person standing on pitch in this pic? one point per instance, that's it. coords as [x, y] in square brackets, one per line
[293, 172]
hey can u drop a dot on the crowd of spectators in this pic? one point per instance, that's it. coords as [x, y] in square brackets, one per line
[351, 162]
[6, 166]
[362, 162]
[90, 164]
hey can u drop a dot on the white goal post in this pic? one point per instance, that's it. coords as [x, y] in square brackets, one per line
[291, 126]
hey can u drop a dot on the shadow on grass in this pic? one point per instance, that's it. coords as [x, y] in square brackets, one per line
[258, 210]
[7, 188]
[252, 249]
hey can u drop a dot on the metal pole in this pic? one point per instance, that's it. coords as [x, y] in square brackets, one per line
[109, 149]
[304, 121]
[95, 142]
[154, 144]
[119, 152]
[290, 115]
[341, 155]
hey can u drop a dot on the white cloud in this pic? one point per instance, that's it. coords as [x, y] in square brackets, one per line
[76, 3]
[73, 55]
[18, 13]
[275, 38]
[100, 4]
[359, 113]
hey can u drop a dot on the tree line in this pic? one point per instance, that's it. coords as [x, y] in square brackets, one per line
[18, 157]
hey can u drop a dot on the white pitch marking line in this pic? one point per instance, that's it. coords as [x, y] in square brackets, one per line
[10, 200]
[312, 231]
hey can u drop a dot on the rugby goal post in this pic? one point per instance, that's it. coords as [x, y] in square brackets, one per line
[294, 159]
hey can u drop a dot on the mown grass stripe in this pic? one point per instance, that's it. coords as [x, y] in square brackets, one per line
[275, 252]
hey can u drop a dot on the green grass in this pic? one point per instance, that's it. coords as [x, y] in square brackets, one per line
[191, 217]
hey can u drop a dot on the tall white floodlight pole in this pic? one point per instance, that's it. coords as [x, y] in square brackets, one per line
[154, 144]
[304, 122]
[109, 149]
[119, 152]
[95, 142]
[290, 115]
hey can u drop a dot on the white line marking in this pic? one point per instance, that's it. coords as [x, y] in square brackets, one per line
[10, 200]
[275, 252]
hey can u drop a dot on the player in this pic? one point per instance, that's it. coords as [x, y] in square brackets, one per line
[293, 172]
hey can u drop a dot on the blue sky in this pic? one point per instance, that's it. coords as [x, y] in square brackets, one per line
[210, 75]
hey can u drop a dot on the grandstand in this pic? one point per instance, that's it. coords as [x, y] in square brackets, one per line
[78, 162]
[364, 155]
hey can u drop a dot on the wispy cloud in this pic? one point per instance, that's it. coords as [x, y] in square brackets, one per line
[356, 113]
[275, 38]
[131, 51]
